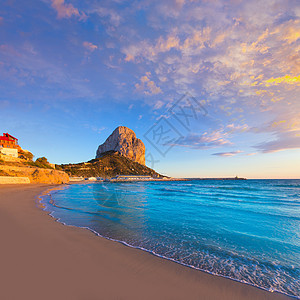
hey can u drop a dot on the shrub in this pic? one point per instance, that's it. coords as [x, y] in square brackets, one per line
[41, 162]
[26, 155]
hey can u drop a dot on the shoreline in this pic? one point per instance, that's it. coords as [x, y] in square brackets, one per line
[39, 202]
[91, 266]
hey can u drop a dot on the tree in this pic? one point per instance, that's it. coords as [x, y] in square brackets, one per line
[42, 160]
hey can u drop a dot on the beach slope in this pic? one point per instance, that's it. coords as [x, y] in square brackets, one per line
[43, 259]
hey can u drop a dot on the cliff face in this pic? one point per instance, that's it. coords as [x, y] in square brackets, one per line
[124, 141]
[49, 176]
[35, 175]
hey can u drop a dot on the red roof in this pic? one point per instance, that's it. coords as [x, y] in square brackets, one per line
[7, 137]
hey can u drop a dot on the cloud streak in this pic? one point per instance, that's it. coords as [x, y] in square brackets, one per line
[283, 141]
[207, 140]
[227, 154]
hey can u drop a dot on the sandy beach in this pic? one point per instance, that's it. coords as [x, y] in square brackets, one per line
[43, 259]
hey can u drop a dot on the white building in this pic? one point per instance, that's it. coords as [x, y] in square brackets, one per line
[9, 151]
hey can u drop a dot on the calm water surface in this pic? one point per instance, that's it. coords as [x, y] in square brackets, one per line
[245, 230]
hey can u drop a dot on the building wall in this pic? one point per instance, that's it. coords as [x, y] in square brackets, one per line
[9, 158]
[9, 151]
[9, 144]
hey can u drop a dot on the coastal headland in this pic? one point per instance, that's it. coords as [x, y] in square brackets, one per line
[44, 259]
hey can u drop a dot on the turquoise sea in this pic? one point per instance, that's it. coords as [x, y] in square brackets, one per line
[248, 231]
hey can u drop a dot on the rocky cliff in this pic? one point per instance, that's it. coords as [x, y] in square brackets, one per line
[35, 175]
[124, 141]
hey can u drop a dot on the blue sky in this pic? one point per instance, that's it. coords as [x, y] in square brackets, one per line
[71, 71]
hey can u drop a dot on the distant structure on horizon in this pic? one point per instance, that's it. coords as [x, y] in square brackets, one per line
[9, 145]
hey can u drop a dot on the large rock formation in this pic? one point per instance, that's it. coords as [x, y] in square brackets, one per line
[124, 141]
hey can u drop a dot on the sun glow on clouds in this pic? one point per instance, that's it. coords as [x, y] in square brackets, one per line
[284, 79]
[147, 86]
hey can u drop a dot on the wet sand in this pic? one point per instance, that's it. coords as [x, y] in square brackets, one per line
[41, 259]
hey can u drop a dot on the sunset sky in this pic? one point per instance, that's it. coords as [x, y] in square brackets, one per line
[220, 80]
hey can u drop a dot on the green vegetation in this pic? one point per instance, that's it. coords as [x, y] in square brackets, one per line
[109, 165]
[25, 155]
[41, 162]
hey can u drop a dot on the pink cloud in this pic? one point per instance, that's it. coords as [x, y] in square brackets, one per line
[150, 51]
[251, 154]
[89, 46]
[64, 10]
[228, 154]
[147, 86]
